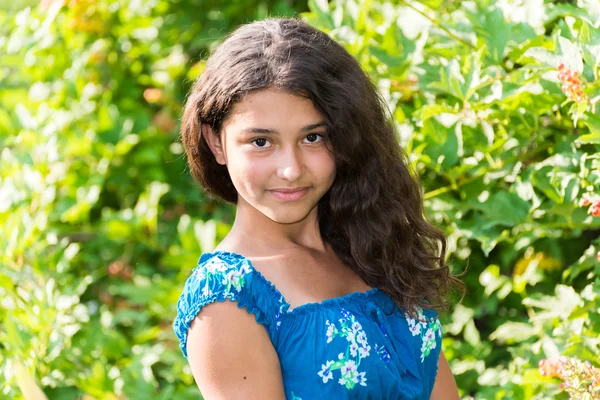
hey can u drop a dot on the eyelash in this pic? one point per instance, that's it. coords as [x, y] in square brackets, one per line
[322, 135]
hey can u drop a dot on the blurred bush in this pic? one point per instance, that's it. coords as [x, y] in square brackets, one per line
[100, 220]
[494, 101]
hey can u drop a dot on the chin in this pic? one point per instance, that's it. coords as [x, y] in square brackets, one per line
[288, 216]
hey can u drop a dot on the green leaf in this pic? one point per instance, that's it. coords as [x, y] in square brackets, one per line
[14, 336]
[320, 14]
[442, 144]
[492, 280]
[471, 334]
[554, 11]
[561, 305]
[451, 81]
[571, 54]
[431, 110]
[505, 209]
[541, 180]
[487, 234]
[544, 56]
[513, 332]
[473, 78]
[496, 35]
[593, 123]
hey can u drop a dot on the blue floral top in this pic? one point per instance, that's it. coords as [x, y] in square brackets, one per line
[359, 346]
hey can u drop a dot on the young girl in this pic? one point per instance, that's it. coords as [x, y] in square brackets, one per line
[326, 284]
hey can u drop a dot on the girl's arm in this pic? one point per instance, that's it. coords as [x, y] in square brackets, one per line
[231, 355]
[444, 387]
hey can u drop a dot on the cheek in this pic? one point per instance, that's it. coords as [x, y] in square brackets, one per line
[256, 174]
[326, 167]
[247, 172]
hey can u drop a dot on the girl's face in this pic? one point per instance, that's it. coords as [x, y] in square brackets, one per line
[276, 140]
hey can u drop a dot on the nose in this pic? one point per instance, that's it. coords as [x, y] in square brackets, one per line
[290, 165]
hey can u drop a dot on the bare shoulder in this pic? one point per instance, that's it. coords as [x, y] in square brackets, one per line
[444, 387]
[231, 355]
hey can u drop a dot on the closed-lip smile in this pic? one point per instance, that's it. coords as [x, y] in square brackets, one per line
[293, 190]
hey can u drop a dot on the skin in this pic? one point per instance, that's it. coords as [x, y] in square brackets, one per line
[272, 139]
[289, 157]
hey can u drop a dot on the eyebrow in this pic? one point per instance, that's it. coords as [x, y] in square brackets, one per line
[276, 132]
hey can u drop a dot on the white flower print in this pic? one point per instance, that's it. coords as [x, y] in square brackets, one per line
[215, 265]
[235, 279]
[348, 362]
[349, 374]
[353, 349]
[361, 338]
[415, 329]
[279, 312]
[216, 271]
[351, 336]
[362, 380]
[383, 353]
[199, 273]
[331, 330]
[325, 372]
[245, 268]
[426, 329]
[364, 351]
[349, 366]
[429, 335]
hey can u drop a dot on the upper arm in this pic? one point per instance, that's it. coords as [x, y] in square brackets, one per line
[231, 355]
[444, 387]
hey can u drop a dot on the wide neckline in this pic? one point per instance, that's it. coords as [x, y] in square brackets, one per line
[333, 301]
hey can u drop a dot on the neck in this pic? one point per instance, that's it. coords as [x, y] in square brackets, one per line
[254, 230]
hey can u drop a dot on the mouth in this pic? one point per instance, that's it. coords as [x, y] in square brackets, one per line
[289, 194]
[290, 190]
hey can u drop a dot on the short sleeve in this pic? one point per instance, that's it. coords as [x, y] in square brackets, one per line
[219, 278]
[431, 346]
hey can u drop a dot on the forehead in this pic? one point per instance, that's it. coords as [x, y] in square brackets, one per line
[273, 109]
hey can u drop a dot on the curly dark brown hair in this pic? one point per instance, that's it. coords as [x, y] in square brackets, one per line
[373, 214]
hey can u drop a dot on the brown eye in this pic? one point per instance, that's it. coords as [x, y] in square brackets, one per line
[314, 137]
[260, 142]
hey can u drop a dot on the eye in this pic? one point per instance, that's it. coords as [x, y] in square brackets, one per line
[314, 137]
[259, 142]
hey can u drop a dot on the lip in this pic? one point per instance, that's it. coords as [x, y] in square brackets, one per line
[291, 190]
[289, 194]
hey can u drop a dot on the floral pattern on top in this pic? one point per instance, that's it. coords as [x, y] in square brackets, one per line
[218, 271]
[348, 352]
[426, 329]
[348, 362]
[282, 304]
[383, 353]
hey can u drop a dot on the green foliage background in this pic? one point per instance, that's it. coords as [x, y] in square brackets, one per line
[101, 223]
